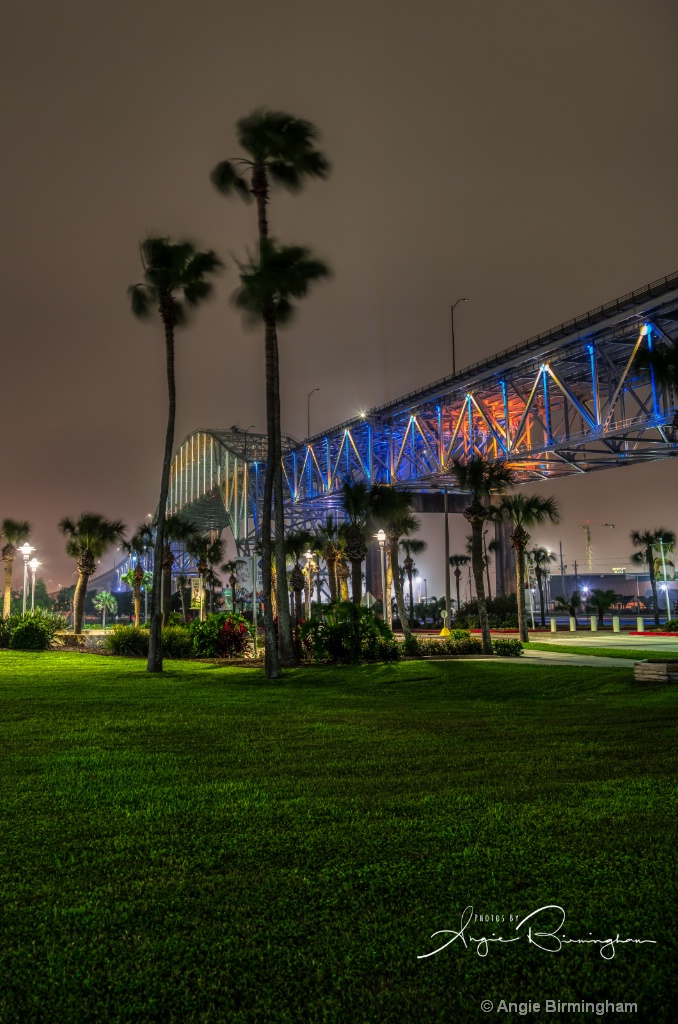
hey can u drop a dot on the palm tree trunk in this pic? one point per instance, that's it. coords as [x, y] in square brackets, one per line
[166, 591]
[386, 598]
[79, 601]
[137, 604]
[540, 584]
[155, 639]
[398, 584]
[409, 581]
[286, 650]
[520, 586]
[356, 581]
[331, 563]
[457, 576]
[7, 598]
[271, 661]
[476, 515]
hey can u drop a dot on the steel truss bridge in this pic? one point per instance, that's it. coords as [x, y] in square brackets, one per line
[568, 401]
[571, 400]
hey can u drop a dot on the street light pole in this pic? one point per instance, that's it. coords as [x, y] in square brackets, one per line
[666, 586]
[445, 631]
[454, 362]
[308, 412]
[381, 537]
[26, 550]
[33, 565]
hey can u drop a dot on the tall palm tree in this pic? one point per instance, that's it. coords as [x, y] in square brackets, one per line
[480, 478]
[89, 537]
[176, 280]
[541, 558]
[14, 532]
[523, 512]
[137, 546]
[392, 511]
[456, 561]
[269, 285]
[281, 151]
[648, 541]
[355, 498]
[410, 546]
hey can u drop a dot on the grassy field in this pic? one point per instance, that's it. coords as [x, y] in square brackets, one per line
[210, 847]
[604, 652]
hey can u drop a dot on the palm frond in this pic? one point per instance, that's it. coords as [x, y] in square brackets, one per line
[226, 180]
[142, 299]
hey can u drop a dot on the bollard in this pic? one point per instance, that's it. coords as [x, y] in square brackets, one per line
[640, 625]
[615, 624]
[554, 628]
[573, 624]
[594, 623]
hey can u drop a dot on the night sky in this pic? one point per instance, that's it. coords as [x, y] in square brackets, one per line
[522, 154]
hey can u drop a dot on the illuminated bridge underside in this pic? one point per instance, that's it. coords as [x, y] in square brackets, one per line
[569, 401]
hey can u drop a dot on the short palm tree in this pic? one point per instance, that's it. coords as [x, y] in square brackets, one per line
[410, 546]
[296, 543]
[480, 478]
[88, 538]
[649, 541]
[269, 285]
[523, 512]
[207, 554]
[391, 510]
[327, 539]
[541, 558]
[13, 532]
[182, 585]
[488, 550]
[456, 561]
[176, 280]
[177, 531]
[137, 546]
[602, 601]
[571, 604]
[104, 602]
[281, 150]
[355, 498]
[230, 568]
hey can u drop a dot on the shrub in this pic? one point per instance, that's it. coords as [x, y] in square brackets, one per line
[349, 633]
[223, 635]
[51, 621]
[30, 635]
[177, 642]
[458, 642]
[507, 647]
[128, 641]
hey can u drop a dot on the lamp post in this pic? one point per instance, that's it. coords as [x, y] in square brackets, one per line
[447, 618]
[452, 309]
[33, 566]
[26, 550]
[308, 555]
[308, 412]
[381, 537]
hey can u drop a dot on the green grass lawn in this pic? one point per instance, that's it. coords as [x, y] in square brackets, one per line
[210, 847]
[635, 653]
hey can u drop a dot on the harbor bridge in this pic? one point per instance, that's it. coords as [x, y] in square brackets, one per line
[569, 401]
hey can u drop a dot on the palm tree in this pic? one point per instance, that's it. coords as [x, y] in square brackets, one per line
[177, 530]
[182, 584]
[647, 541]
[105, 602]
[602, 601]
[231, 568]
[14, 532]
[296, 543]
[541, 558]
[207, 553]
[571, 604]
[176, 280]
[457, 561]
[480, 478]
[89, 537]
[136, 546]
[327, 539]
[392, 511]
[523, 512]
[269, 285]
[355, 497]
[280, 151]
[410, 547]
